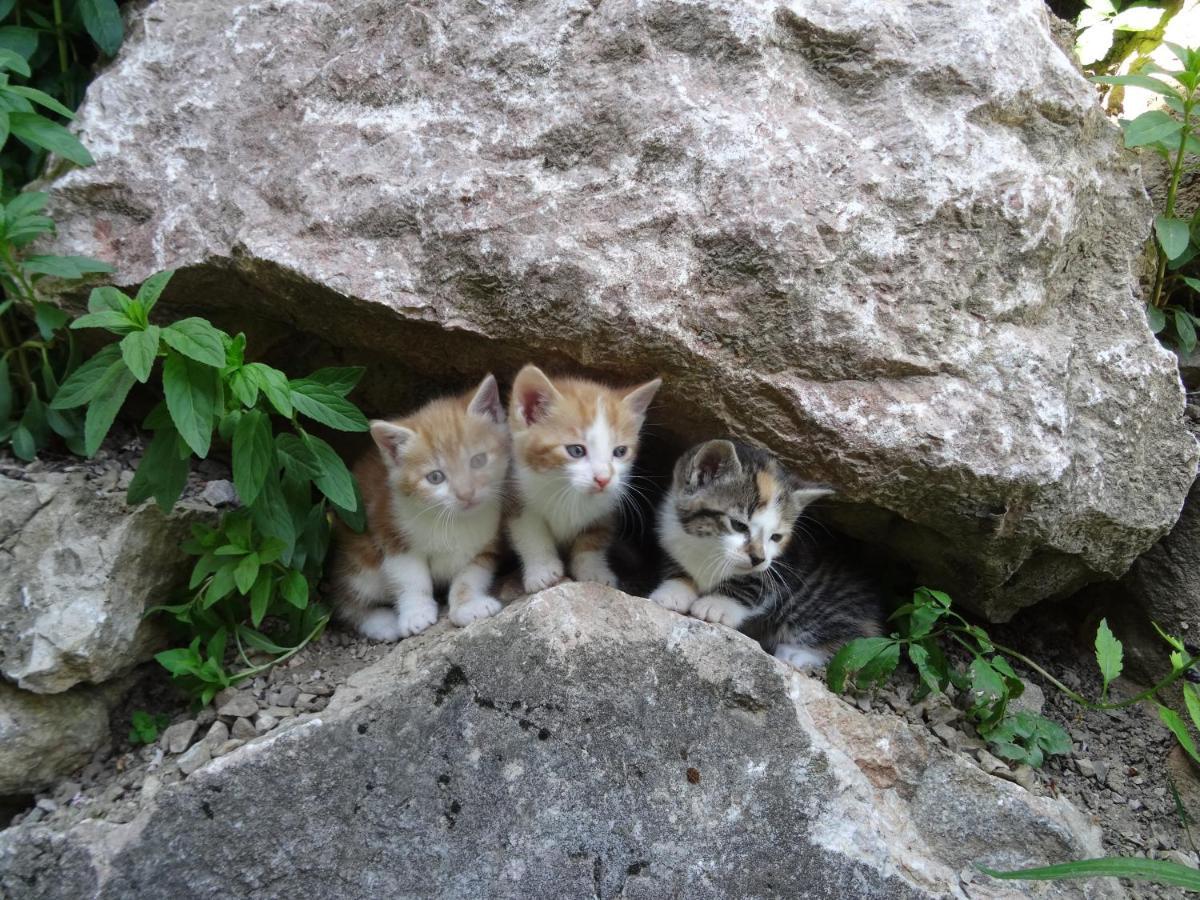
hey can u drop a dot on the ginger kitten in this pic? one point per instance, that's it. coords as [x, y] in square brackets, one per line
[433, 489]
[574, 442]
[739, 556]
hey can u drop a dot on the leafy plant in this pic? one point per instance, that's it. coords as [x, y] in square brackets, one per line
[262, 560]
[1159, 871]
[1170, 132]
[1102, 21]
[145, 728]
[988, 682]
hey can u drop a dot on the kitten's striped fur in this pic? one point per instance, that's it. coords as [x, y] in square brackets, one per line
[424, 532]
[739, 555]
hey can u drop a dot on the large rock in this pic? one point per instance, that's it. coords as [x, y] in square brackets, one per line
[78, 568]
[582, 743]
[44, 737]
[891, 241]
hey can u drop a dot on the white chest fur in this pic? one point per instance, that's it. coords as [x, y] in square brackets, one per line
[449, 545]
[565, 509]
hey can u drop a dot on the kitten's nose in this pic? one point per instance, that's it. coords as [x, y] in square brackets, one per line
[466, 498]
[754, 560]
[602, 480]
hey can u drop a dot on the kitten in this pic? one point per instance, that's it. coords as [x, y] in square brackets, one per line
[738, 555]
[433, 490]
[574, 443]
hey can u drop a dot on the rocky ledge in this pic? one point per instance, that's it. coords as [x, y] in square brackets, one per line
[581, 743]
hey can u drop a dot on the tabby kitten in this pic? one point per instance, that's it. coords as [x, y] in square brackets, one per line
[433, 491]
[739, 556]
[574, 443]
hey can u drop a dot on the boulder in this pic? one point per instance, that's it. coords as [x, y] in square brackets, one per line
[581, 743]
[43, 737]
[893, 242]
[78, 568]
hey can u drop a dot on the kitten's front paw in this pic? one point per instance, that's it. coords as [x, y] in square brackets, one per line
[538, 578]
[720, 610]
[476, 608]
[380, 625]
[415, 616]
[801, 658]
[674, 596]
[594, 569]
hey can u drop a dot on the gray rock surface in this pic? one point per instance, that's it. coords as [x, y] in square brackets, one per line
[891, 241]
[78, 568]
[43, 737]
[581, 743]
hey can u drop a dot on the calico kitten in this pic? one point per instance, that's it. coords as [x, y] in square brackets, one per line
[731, 527]
[574, 443]
[433, 490]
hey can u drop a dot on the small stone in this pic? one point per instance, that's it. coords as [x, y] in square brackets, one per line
[219, 493]
[47, 805]
[125, 479]
[113, 792]
[227, 747]
[949, 735]
[206, 716]
[178, 737]
[304, 700]
[862, 701]
[264, 723]
[217, 735]
[67, 791]
[243, 729]
[989, 763]
[1025, 777]
[1183, 857]
[34, 816]
[1032, 699]
[1086, 767]
[286, 695]
[942, 715]
[198, 756]
[320, 689]
[151, 786]
[240, 704]
[1101, 770]
[279, 712]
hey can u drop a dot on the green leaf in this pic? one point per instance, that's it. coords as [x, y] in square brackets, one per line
[1109, 655]
[335, 480]
[1149, 128]
[1171, 719]
[1141, 81]
[66, 267]
[152, 288]
[191, 392]
[49, 135]
[339, 380]
[246, 573]
[14, 61]
[294, 587]
[107, 298]
[1185, 329]
[244, 387]
[275, 385]
[221, 586]
[260, 641]
[253, 455]
[162, 473]
[1093, 43]
[21, 41]
[48, 319]
[6, 391]
[296, 458]
[103, 22]
[327, 407]
[271, 515]
[1173, 235]
[23, 444]
[986, 684]
[84, 382]
[854, 657]
[1156, 318]
[1138, 18]
[42, 99]
[197, 339]
[260, 598]
[104, 406]
[139, 349]
[1160, 871]
[116, 322]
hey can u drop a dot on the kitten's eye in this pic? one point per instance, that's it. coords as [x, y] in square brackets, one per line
[478, 460]
[619, 452]
[576, 451]
[777, 538]
[437, 476]
[738, 526]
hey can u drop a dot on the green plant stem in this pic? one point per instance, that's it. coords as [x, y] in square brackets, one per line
[254, 670]
[9, 348]
[60, 33]
[1156, 297]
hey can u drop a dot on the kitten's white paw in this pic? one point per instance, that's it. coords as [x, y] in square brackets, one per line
[538, 578]
[414, 616]
[594, 568]
[720, 610]
[380, 625]
[800, 657]
[674, 595]
[476, 608]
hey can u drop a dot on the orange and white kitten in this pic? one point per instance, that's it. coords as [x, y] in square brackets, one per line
[574, 443]
[433, 489]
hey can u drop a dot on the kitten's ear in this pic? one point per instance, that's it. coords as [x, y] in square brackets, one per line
[393, 440]
[639, 398]
[802, 497]
[532, 396]
[486, 403]
[711, 461]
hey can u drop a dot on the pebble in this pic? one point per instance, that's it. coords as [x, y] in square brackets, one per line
[67, 791]
[178, 737]
[284, 696]
[279, 712]
[217, 735]
[1033, 700]
[240, 703]
[1183, 857]
[206, 717]
[989, 763]
[219, 493]
[264, 723]
[229, 746]
[47, 805]
[151, 786]
[243, 729]
[198, 756]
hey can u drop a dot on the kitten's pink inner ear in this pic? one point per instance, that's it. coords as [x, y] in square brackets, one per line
[486, 402]
[533, 405]
[714, 459]
[391, 439]
[640, 398]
